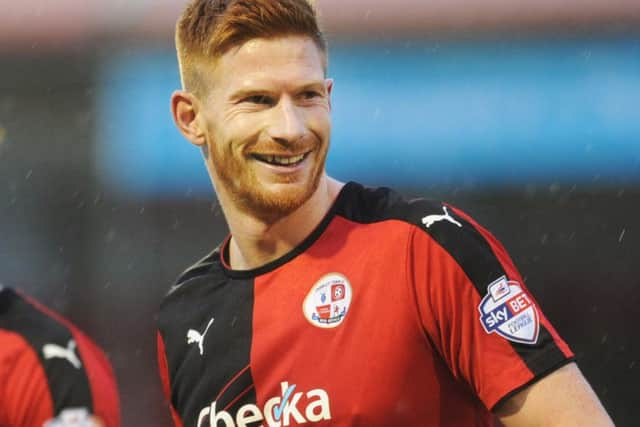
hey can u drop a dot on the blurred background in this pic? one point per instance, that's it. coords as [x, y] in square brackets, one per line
[524, 114]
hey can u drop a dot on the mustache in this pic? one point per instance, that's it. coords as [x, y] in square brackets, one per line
[283, 146]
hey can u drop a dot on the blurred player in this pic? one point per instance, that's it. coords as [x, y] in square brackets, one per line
[329, 303]
[51, 374]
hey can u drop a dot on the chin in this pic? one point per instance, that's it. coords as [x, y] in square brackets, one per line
[278, 200]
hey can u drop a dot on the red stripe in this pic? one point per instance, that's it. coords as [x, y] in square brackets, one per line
[163, 367]
[104, 390]
[223, 248]
[25, 396]
[235, 377]
[245, 391]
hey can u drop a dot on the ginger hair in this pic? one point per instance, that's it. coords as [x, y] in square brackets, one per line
[207, 29]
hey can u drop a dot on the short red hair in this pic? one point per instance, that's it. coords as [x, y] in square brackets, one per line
[207, 29]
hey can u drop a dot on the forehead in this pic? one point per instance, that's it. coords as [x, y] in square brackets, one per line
[278, 61]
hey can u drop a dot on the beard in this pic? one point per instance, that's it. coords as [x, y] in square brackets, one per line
[248, 193]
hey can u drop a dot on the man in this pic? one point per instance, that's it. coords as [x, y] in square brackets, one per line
[51, 374]
[331, 303]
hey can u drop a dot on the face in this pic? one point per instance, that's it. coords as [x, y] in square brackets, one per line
[267, 124]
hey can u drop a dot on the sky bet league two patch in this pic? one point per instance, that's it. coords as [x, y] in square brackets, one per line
[509, 311]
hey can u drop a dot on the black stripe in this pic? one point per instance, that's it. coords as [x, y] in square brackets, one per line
[234, 389]
[196, 379]
[69, 385]
[476, 258]
[465, 244]
[248, 396]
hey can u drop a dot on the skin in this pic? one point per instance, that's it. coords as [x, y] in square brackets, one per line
[271, 97]
[265, 97]
[562, 398]
[96, 422]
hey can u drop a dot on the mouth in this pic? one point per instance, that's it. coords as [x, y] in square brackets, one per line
[277, 160]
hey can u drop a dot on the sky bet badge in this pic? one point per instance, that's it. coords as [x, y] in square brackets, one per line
[508, 311]
[328, 301]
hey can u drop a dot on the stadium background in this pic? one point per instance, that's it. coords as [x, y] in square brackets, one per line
[526, 115]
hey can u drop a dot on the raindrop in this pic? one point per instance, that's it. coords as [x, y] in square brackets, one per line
[110, 236]
[621, 235]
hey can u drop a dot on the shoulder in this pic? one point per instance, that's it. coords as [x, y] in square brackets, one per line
[196, 286]
[52, 357]
[40, 327]
[438, 219]
[28, 318]
[363, 204]
[204, 267]
[429, 221]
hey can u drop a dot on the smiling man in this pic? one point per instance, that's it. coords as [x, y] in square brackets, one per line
[330, 303]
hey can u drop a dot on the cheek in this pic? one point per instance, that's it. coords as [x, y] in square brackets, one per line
[319, 122]
[243, 131]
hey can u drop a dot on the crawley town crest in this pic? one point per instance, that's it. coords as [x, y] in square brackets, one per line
[328, 301]
[509, 311]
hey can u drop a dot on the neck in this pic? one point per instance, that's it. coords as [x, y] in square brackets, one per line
[255, 242]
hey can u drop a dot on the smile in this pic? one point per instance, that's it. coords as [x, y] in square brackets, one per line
[280, 160]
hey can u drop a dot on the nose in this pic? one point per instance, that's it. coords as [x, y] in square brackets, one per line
[286, 124]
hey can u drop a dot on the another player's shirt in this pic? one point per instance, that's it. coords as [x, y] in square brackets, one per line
[391, 313]
[49, 370]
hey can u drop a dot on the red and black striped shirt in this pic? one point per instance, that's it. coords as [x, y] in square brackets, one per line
[391, 313]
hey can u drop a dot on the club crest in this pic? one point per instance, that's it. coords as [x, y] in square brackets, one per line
[328, 301]
[510, 312]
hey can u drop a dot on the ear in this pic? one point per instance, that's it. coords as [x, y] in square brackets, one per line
[329, 84]
[185, 109]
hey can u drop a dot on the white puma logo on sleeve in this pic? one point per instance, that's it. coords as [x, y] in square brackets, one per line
[51, 351]
[430, 219]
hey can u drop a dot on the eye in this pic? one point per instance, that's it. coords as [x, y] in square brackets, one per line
[310, 94]
[259, 99]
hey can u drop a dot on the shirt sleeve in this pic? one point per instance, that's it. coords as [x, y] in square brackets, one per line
[476, 310]
[104, 388]
[24, 393]
[51, 369]
[163, 368]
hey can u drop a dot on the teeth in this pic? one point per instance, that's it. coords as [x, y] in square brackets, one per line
[283, 160]
[287, 160]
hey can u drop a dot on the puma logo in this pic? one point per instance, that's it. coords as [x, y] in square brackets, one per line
[194, 336]
[430, 219]
[51, 351]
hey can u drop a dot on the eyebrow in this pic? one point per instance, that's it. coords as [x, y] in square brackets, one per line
[252, 91]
